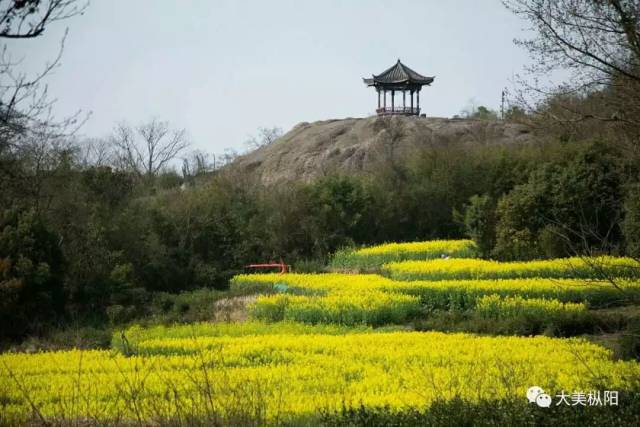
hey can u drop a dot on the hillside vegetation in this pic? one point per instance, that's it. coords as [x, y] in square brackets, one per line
[97, 245]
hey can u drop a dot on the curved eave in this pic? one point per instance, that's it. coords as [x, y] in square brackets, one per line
[376, 82]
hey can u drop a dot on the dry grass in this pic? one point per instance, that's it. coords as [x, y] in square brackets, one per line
[233, 309]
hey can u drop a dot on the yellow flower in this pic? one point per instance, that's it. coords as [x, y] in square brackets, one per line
[371, 258]
[294, 374]
[451, 269]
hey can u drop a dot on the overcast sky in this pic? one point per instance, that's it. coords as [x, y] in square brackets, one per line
[221, 69]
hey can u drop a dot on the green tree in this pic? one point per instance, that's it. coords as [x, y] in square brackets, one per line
[31, 267]
[631, 224]
[480, 223]
[483, 113]
[563, 208]
[341, 207]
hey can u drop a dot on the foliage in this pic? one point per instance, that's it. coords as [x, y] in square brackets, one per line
[597, 44]
[171, 240]
[631, 225]
[483, 113]
[31, 268]
[342, 209]
[489, 413]
[563, 210]
[479, 221]
[630, 341]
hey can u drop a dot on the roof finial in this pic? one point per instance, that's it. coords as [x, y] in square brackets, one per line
[398, 59]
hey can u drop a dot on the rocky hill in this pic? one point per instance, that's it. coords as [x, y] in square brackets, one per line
[354, 145]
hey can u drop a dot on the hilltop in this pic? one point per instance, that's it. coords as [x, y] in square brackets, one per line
[356, 145]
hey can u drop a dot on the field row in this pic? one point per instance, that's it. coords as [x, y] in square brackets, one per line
[598, 268]
[455, 259]
[373, 257]
[294, 374]
[371, 299]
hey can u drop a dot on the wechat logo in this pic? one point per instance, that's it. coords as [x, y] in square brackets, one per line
[536, 394]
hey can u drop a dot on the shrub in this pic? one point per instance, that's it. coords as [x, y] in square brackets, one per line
[488, 413]
[584, 195]
[480, 223]
[631, 224]
[31, 267]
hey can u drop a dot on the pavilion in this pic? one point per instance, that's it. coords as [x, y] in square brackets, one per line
[398, 78]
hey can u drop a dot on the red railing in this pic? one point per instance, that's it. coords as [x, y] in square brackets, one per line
[284, 268]
[398, 110]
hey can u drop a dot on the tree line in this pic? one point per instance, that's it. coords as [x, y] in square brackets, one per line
[93, 231]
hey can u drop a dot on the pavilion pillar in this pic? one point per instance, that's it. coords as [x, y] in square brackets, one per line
[404, 99]
[418, 102]
[393, 95]
[378, 90]
[411, 101]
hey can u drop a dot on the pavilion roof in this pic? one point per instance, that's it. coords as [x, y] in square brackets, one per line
[398, 74]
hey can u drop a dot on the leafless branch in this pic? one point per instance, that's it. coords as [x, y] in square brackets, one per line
[597, 41]
[149, 147]
[23, 19]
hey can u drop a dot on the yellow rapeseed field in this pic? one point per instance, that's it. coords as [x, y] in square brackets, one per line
[452, 269]
[314, 352]
[374, 257]
[293, 376]
[362, 290]
[497, 307]
[346, 308]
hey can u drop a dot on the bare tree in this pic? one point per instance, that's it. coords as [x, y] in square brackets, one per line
[227, 156]
[265, 136]
[24, 98]
[23, 19]
[149, 147]
[595, 38]
[25, 109]
[94, 152]
[198, 162]
[598, 41]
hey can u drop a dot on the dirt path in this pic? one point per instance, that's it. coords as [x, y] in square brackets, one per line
[233, 309]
